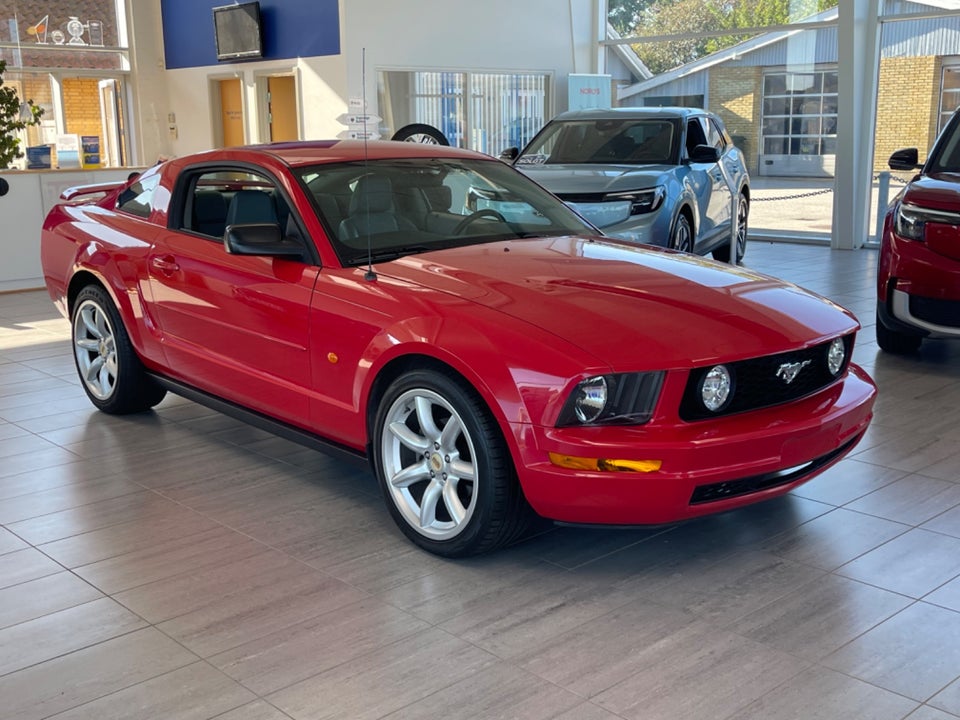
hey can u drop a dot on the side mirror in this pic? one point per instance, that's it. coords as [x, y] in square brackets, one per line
[904, 159]
[4, 187]
[705, 154]
[510, 154]
[259, 239]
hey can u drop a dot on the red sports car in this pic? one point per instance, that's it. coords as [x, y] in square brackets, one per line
[918, 283]
[437, 312]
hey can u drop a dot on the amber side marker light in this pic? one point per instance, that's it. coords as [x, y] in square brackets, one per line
[580, 463]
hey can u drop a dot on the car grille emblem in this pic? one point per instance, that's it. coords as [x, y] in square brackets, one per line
[788, 371]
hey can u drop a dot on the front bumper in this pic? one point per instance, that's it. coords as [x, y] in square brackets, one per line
[707, 466]
[919, 288]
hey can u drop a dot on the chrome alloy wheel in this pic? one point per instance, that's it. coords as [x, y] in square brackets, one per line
[429, 464]
[95, 346]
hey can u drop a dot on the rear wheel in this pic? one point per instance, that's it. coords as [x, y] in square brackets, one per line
[109, 369]
[444, 467]
[897, 343]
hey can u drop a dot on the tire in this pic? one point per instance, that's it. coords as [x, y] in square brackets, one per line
[420, 133]
[444, 468]
[722, 253]
[110, 371]
[894, 342]
[682, 236]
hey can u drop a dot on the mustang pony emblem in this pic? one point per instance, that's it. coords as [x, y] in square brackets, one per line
[789, 371]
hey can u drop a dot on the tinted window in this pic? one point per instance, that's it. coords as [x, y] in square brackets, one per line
[607, 140]
[138, 198]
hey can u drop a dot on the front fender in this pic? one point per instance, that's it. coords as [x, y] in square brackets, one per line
[521, 372]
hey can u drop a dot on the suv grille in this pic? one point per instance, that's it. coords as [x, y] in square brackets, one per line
[756, 385]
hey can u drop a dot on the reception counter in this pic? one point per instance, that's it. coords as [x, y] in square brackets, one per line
[22, 210]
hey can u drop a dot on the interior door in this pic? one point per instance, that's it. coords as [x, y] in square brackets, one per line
[282, 108]
[231, 111]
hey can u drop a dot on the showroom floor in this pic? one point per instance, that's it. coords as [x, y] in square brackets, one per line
[181, 565]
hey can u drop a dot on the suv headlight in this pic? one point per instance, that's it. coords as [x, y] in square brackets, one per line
[909, 221]
[641, 201]
[621, 399]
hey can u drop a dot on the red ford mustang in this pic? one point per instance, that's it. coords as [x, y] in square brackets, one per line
[436, 311]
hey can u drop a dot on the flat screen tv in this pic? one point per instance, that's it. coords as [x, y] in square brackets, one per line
[238, 32]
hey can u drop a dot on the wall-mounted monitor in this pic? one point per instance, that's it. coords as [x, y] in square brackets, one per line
[238, 31]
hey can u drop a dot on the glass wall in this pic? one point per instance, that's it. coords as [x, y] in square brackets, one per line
[488, 112]
[772, 78]
[918, 88]
[72, 60]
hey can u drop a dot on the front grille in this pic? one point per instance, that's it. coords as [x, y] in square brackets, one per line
[746, 486]
[582, 197]
[936, 311]
[756, 385]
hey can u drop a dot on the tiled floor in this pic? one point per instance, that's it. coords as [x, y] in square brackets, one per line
[181, 565]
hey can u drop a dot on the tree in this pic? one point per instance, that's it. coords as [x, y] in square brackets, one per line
[673, 17]
[668, 17]
[14, 117]
[625, 15]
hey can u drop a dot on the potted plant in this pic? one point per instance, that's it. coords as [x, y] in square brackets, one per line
[14, 117]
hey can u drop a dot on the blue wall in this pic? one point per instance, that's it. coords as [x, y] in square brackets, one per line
[291, 29]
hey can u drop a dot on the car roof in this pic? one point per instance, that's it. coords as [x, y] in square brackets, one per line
[631, 113]
[311, 152]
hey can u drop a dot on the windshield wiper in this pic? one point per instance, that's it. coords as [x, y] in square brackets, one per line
[389, 254]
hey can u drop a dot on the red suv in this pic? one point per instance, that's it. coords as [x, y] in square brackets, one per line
[918, 280]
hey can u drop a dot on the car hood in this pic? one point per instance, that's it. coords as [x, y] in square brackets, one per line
[630, 307]
[938, 191]
[579, 179]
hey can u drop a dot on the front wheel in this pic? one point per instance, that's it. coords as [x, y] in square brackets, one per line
[894, 342]
[444, 467]
[722, 253]
[110, 371]
[682, 236]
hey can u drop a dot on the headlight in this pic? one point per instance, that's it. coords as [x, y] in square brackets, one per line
[908, 222]
[716, 388]
[641, 201]
[836, 354]
[623, 399]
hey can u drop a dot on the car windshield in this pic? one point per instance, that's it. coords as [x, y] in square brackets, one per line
[653, 141]
[383, 209]
[947, 158]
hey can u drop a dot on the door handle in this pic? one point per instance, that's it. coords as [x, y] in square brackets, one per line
[165, 265]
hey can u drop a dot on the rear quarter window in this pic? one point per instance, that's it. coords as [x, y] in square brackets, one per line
[138, 198]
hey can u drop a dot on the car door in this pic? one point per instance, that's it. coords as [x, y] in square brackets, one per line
[234, 325]
[707, 183]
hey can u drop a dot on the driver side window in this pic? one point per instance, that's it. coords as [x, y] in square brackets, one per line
[216, 199]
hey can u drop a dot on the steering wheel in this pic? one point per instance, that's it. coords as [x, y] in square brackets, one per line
[478, 215]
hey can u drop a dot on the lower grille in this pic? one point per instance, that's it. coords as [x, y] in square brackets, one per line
[936, 311]
[747, 486]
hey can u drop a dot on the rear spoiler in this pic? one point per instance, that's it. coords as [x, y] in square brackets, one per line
[99, 188]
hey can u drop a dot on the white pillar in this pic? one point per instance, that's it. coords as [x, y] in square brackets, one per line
[858, 35]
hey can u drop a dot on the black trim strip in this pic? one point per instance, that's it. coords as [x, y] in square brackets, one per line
[264, 422]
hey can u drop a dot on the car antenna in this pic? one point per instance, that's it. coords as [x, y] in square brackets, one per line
[369, 275]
